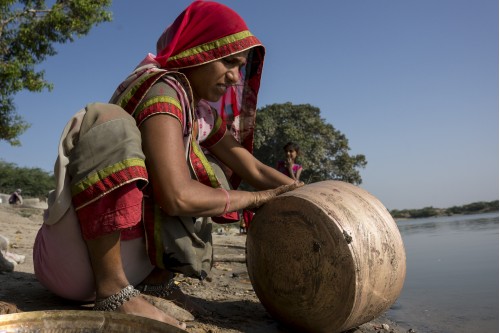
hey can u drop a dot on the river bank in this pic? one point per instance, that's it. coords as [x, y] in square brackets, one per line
[228, 293]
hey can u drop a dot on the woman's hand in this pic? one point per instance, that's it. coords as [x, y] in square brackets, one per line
[261, 197]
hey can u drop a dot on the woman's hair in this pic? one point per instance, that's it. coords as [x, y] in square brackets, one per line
[292, 145]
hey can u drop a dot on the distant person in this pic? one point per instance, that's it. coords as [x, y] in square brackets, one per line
[16, 198]
[289, 166]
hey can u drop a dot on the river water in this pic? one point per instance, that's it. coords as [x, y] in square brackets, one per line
[451, 281]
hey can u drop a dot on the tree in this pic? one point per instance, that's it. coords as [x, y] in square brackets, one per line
[28, 30]
[324, 150]
[33, 181]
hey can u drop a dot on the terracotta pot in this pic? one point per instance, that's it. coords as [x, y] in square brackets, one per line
[326, 257]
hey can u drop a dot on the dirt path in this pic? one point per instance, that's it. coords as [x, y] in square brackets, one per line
[228, 293]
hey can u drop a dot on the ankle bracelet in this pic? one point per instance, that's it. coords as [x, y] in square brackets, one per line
[159, 290]
[113, 302]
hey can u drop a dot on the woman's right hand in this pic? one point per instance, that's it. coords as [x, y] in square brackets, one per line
[261, 197]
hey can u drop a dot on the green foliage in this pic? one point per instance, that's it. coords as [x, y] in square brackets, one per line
[475, 207]
[472, 208]
[33, 181]
[28, 31]
[416, 213]
[324, 150]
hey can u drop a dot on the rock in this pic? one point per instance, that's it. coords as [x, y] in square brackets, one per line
[5, 265]
[6, 308]
[4, 243]
[230, 258]
[14, 258]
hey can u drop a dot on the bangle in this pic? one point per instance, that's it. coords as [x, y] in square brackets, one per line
[228, 201]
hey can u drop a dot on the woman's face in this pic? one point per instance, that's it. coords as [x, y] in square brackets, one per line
[210, 81]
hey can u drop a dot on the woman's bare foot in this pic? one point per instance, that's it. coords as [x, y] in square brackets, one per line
[158, 277]
[138, 306]
[112, 283]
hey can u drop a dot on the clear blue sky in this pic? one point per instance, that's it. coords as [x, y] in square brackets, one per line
[412, 84]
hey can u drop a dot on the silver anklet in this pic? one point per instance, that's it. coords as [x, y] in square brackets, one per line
[159, 290]
[113, 302]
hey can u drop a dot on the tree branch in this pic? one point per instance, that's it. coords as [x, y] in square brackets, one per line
[20, 14]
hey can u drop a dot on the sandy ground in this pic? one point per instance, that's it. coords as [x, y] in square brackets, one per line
[228, 293]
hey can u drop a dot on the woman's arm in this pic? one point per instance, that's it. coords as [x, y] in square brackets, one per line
[174, 189]
[245, 165]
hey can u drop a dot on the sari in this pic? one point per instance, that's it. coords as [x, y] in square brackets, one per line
[100, 159]
[196, 37]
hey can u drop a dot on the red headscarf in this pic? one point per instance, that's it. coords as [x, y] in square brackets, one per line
[207, 31]
[203, 32]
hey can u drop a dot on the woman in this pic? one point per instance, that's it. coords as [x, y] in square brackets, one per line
[135, 194]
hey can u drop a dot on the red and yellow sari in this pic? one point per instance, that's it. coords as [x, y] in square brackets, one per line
[205, 32]
[100, 165]
[195, 38]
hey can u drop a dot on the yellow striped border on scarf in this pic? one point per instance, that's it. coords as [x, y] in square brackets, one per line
[159, 104]
[106, 180]
[129, 100]
[214, 50]
[204, 173]
[212, 45]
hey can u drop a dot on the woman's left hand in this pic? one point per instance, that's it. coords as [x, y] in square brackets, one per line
[261, 197]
